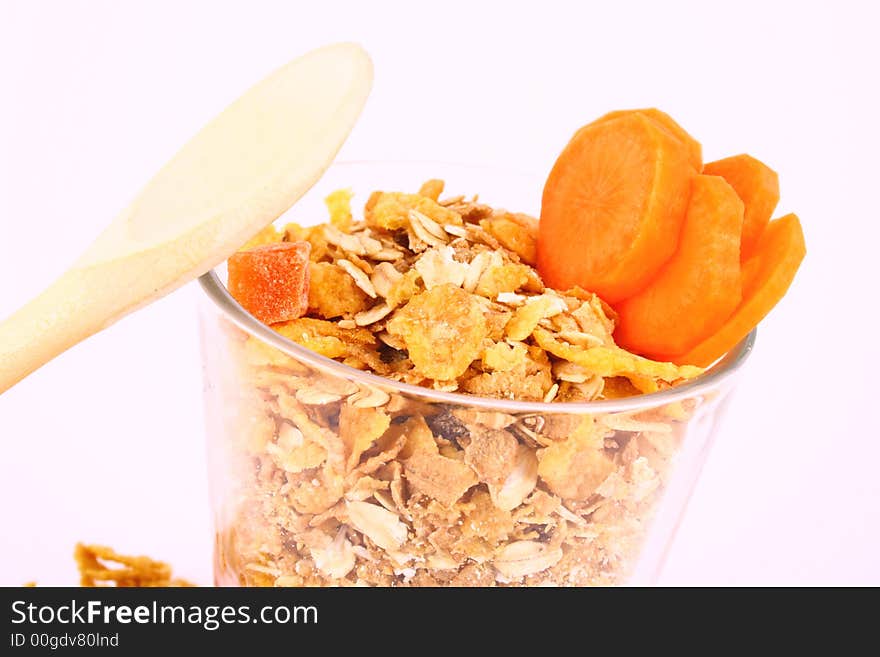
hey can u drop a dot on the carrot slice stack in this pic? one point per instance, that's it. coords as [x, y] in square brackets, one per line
[700, 286]
[758, 187]
[695, 150]
[690, 262]
[613, 206]
[767, 276]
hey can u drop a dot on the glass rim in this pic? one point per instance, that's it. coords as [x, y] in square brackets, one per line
[713, 377]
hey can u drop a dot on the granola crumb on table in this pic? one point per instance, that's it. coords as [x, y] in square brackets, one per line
[95, 569]
[341, 483]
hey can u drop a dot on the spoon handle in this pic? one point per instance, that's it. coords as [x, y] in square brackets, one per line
[81, 302]
[244, 169]
[46, 326]
[78, 304]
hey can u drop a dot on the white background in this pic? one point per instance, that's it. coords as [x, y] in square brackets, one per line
[106, 443]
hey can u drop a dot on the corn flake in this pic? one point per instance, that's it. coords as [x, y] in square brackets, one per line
[525, 319]
[503, 357]
[575, 467]
[268, 235]
[528, 380]
[438, 267]
[483, 520]
[419, 438]
[613, 361]
[440, 478]
[333, 292]
[93, 562]
[497, 279]
[293, 452]
[390, 210]
[491, 454]
[326, 338]
[432, 189]
[339, 205]
[315, 491]
[443, 329]
[517, 232]
[404, 288]
[359, 428]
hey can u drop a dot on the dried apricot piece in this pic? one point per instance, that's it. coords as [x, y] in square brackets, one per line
[271, 281]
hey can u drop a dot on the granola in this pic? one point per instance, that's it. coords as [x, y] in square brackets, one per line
[94, 565]
[340, 483]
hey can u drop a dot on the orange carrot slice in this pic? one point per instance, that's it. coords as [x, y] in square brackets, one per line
[695, 150]
[767, 276]
[271, 282]
[758, 187]
[613, 206]
[700, 286]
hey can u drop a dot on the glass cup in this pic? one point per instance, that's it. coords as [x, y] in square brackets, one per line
[313, 482]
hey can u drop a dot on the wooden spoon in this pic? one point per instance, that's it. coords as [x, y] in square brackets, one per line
[243, 170]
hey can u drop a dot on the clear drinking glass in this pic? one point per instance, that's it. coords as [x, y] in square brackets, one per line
[291, 507]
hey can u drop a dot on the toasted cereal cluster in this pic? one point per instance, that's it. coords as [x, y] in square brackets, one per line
[94, 564]
[343, 483]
